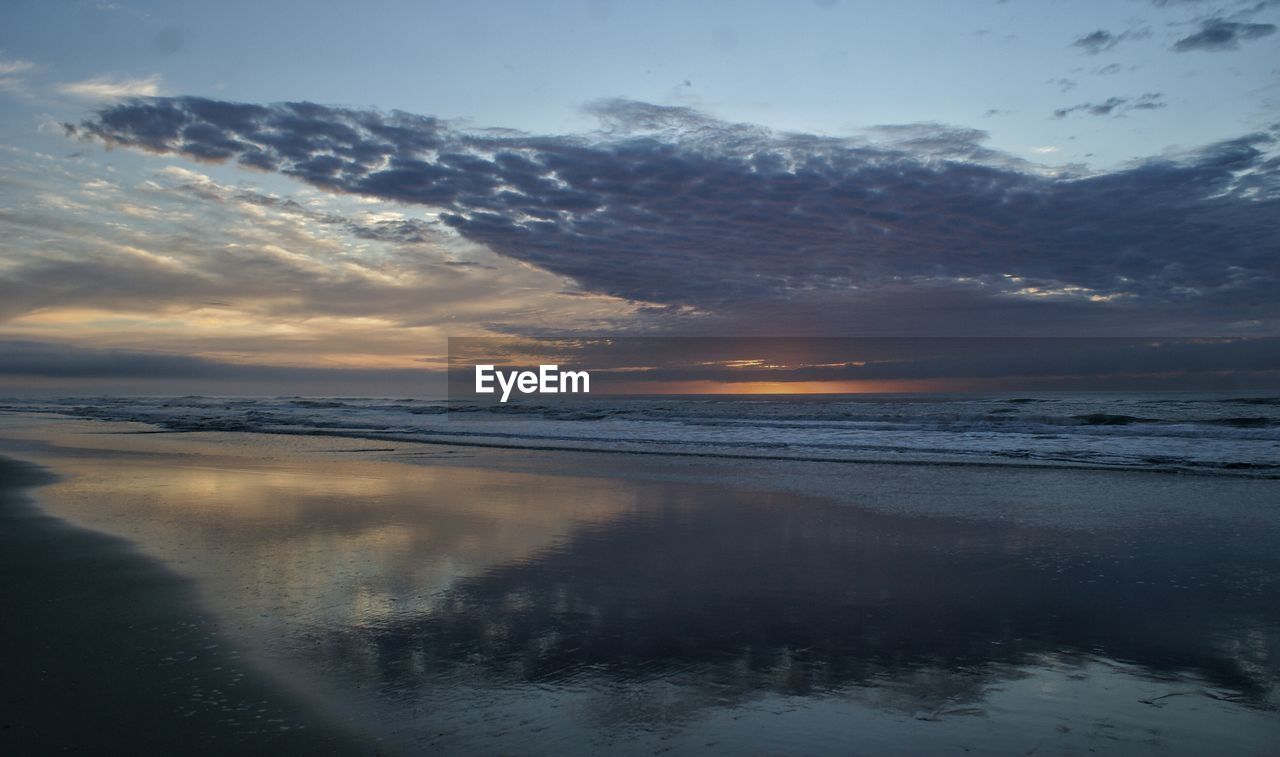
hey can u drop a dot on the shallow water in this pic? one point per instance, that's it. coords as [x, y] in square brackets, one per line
[1218, 434]
[469, 600]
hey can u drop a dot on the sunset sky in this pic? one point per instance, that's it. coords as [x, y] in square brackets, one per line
[306, 197]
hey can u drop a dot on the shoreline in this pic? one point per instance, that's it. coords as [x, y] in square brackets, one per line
[109, 651]
[1079, 434]
[517, 601]
[902, 487]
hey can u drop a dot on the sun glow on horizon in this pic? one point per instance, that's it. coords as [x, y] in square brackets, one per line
[787, 387]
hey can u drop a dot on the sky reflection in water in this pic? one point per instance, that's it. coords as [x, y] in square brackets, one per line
[463, 608]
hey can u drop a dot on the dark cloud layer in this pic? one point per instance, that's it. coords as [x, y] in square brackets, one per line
[1218, 34]
[793, 232]
[1026, 362]
[57, 360]
[132, 371]
[1018, 364]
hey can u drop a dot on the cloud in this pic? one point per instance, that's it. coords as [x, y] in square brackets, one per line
[925, 229]
[1102, 40]
[1114, 106]
[14, 66]
[1077, 361]
[53, 360]
[11, 75]
[107, 88]
[1217, 35]
[1242, 8]
[940, 141]
[43, 365]
[180, 262]
[1096, 42]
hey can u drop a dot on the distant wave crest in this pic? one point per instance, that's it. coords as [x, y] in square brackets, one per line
[1201, 434]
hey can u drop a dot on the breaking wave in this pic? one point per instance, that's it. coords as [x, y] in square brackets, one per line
[1201, 434]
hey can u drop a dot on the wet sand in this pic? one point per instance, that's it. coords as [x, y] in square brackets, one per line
[435, 599]
[107, 652]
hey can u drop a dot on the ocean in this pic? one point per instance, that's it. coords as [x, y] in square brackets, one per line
[1204, 434]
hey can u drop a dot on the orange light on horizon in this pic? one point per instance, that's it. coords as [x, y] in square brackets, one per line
[902, 386]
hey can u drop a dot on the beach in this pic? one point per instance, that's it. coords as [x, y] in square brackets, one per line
[109, 651]
[261, 592]
[639, 379]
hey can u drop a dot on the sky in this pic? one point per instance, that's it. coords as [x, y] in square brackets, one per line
[317, 195]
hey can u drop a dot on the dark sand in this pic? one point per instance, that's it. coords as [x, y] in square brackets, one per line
[106, 652]
[454, 601]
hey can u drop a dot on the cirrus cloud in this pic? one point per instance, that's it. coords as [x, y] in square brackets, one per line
[109, 88]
